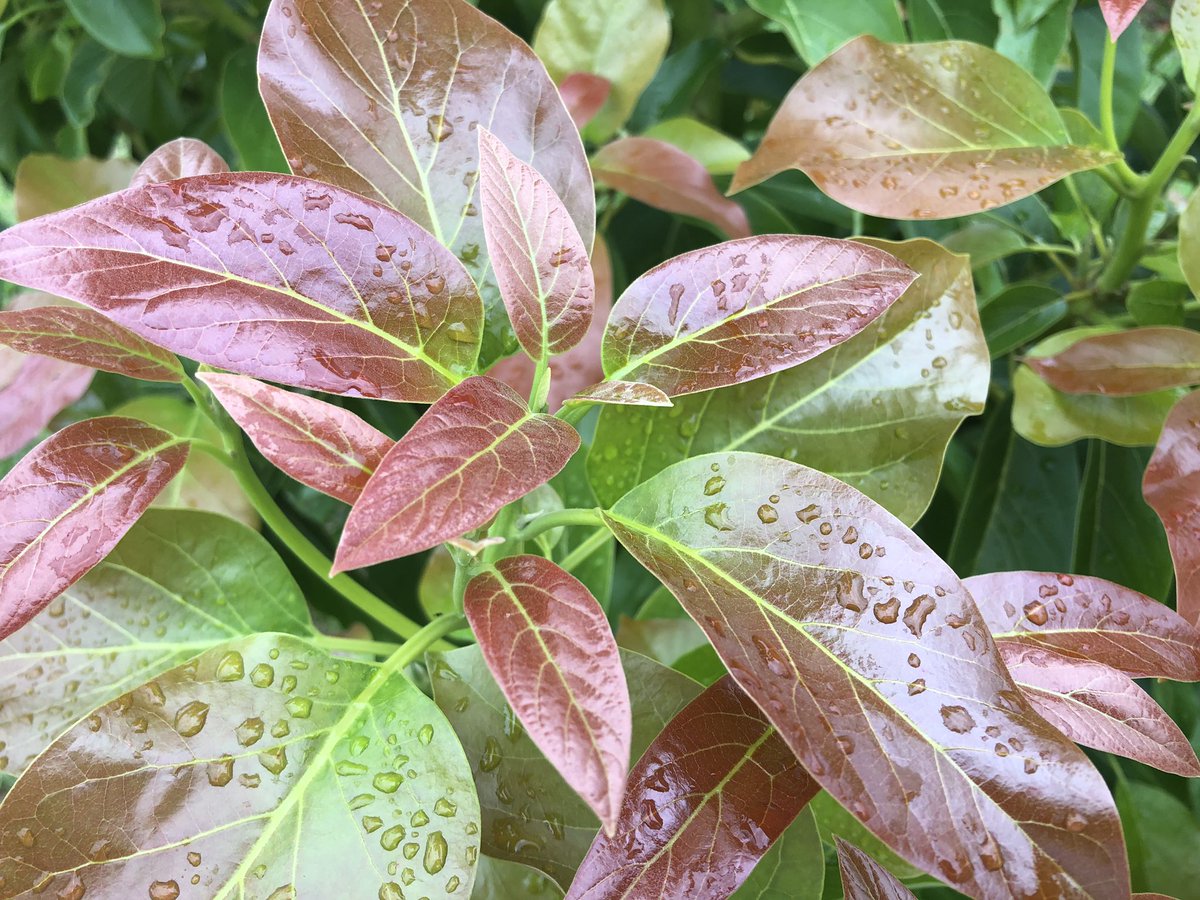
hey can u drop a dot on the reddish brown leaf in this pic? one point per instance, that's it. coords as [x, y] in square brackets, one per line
[474, 451]
[745, 309]
[181, 158]
[865, 879]
[540, 260]
[1118, 14]
[69, 502]
[548, 644]
[626, 393]
[1124, 363]
[1089, 619]
[268, 275]
[663, 176]
[321, 445]
[584, 95]
[1172, 489]
[1099, 707]
[704, 803]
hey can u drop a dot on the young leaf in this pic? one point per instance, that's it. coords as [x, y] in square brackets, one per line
[180, 158]
[717, 152]
[1119, 13]
[321, 445]
[1172, 488]
[718, 773]
[584, 95]
[179, 583]
[816, 35]
[1099, 707]
[745, 309]
[621, 393]
[853, 635]
[268, 275]
[263, 765]
[1124, 363]
[474, 451]
[1185, 28]
[945, 129]
[865, 879]
[541, 262]
[69, 501]
[549, 647]
[46, 184]
[1089, 619]
[667, 178]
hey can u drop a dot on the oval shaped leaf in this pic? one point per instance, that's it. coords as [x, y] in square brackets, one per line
[1172, 489]
[865, 879]
[128, 27]
[1019, 314]
[267, 275]
[1118, 14]
[816, 35]
[180, 158]
[540, 260]
[923, 131]
[745, 309]
[854, 638]
[69, 501]
[794, 867]
[33, 390]
[473, 452]
[263, 765]
[321, 445]
[705, 801]
[584, 95]
[548, 644]
[621, 393]
[1137, 361]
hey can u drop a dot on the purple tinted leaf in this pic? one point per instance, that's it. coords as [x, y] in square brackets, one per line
[865, 879]
[181, 158]
[1172, 489]
[584, 95]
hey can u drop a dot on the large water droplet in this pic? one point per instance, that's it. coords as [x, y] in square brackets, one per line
[231, 667]
[190, 719]
[436, 852]
[957, 719]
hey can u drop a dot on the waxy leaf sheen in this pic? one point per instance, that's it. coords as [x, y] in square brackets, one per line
[1118, 14]
[474, 451]
[549, 647]
[869, 656]
[267, 275]
[181, 158]
[865, 879]
[1124, 363]
[1172, 489]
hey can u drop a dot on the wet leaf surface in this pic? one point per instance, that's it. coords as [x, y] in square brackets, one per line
[865, 879]
[1172, 488]
[621, 393]
[181, 158]
[1124, 363]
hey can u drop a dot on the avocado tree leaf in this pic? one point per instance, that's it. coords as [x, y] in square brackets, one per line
[877, 411]
[178, 583]
[793, 868]
[321, 445]
[264, 764]
[923, 131]
[70, 500]
[1185, 28]
[267, 275]
[502, 879]
[865, 879]
[717, 152]
[1118, 14]
[622, 393]
[816, 31]
[1172, 488]
[584, 95]
[474, 451]
[853, 636]
[45, 183]
[549, 647]
[746, 309]
[704, 803]
[1124, 363]
[180, 158]
[1019, 314]
[128, 27]
[540, 261]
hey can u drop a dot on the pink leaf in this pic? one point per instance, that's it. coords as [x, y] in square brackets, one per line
[585, 95]
[625, 393]
[1172, 489]
[181, 158]
[1118, 14]
[1124, 364]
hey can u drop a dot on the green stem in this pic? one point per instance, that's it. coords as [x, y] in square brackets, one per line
[354, 645]
[574, 413]
[557, 519]
[503, 528]
[1108, 69]
[430, 637]
[539, 388]
[598, 539]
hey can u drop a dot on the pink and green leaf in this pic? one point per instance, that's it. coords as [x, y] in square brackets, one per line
[584, 95]
[1119, 14]
[1172, 489]
[1124, 363]
[621, 393]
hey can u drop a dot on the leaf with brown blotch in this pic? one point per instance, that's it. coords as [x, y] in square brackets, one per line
[584, 95]
[1099, 707]
[70, 500]
[1124, 363]
[865, 879]
[474, 451]
[704, 803]
[1172, 489]
[540, 261]
[870, 657]
[745, 309]
[623, 393]
[180, 158]
[321, 445]
[1118, 14]
[923, 131]
[549, 647]
[267, 275]
[1089, 618]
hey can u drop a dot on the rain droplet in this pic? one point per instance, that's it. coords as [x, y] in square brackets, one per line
[767, 514]
[190, 719]
[220, 772]
[250, 731]
[492, 757]
[231, 667]
[1075, 822]
[809, 513]
[262, 675]
[436, 852]
[916, 686]
[439, 128]
[425, 735]
[716, 515]
[274, 760]
[164, 890]
[714, 485]
[300, 707]
[957, 719]
[1036, 613]
[918, 611]
[887, 612]
[387, 782]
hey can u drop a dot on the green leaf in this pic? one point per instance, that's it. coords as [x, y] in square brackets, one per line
[940, 20]
[1034, 38]
[984, 242]
[1156, 302]
[46, 70]
[127, 27]
[502, 879]
[817, 29]
[1167, 835]
[245, 118]
[794, 867]
[719, 153]
[1189, 236]
[1020, 314]
[1185, 26]
[1091, 36]
[833, 819]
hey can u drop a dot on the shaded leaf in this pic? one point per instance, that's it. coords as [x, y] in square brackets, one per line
[816, 31]
[474, 451]
[46, 183]
[1157, 302]
[128, 27]
[794, 867]
[1167, 832]
[181, 158]
[717, 152]
[984, 242]
[1020, 314]
[1034, 34]
[834, 820]
[584, 95]
[1185, 28]
[502, 879]
[622, 393]
[865, 879]
[664, 640]
[1124, 363]
[1119, 13]
[1172, 488]
[246, 118]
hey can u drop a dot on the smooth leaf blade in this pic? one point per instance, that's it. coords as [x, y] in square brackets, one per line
[549, 647]
[1124, 363]
[746, 309]
[584, 95]
[621, 393]
[817, 32]
[46, 183]
[268, 275]
[854, 638]
[865, 879]
[1172, 489]
[474, 451]
[180, 158]
[1119, 14]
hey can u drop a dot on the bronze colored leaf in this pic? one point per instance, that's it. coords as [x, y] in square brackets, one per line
[1172, 489]
[1124, 363]
[865, 879]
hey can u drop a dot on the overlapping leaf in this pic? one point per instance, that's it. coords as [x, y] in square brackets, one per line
[267, 275]
[793, 868]
[1185, 28]
[45, 183]
[816, 32]
[865, 879]
[1172, 488]
[920, 132]
[621, 393]
[502, 879]
[584, 95]
[717, 152]
[69, 502]
[181, 158]
[1124, 363]
[473, 452]
[871, 659]
[264, 765]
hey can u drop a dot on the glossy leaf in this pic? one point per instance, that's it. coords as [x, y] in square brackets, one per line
[1019, 314]
[540, 260]
[475, 451]
[717, 152]
[321, 445]
[858, 641]
[502, 879]
[179, 583]
[549, 647]
[264, 765]
[128, 27]
[69, 501]
[877, 411]
[181, 158]
[46, 183]
[817, 33]
[1124, 363]
[1172, 488]
[621, 393]
[834, 820]
[267, 275]
[667, 178]
[584, 95]
[246, 118]
[1119, 13]
[794, 867]
[746, 309]
[717, 774]
[1099, 707]
[865, 879]
[949, 129]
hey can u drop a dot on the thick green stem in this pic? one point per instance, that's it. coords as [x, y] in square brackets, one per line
[427, 638]
[557, 519]
[354, 645]
[1108, 70]
[599, 538]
